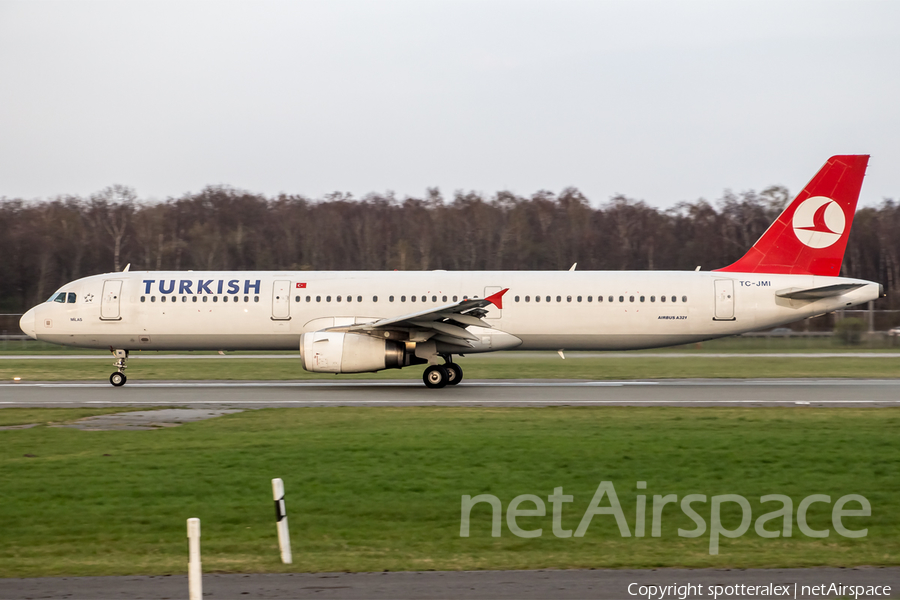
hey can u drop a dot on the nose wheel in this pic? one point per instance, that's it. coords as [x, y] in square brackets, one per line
[118, 378]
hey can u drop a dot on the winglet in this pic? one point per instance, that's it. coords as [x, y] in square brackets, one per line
[497, 299]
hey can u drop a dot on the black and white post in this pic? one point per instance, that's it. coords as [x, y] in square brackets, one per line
[195, 584]
[284, 538]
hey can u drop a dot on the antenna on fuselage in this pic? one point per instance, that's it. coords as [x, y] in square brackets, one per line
[128, 266]
[572, 268]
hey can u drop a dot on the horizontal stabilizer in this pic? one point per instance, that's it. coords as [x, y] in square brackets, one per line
[828, 291]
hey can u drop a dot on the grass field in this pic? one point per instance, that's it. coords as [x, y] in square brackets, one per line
[370, 489]
[507, 366]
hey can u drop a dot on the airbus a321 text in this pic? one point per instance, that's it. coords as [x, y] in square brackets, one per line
[366, 321]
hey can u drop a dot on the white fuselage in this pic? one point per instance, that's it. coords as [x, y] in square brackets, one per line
[577, 310]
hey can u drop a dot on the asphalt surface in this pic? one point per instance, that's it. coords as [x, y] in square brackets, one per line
[521, 392]
[502, 585]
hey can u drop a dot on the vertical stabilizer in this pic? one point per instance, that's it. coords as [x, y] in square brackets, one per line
[810, 236]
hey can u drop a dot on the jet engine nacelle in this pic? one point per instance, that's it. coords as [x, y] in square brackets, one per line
[331, 352]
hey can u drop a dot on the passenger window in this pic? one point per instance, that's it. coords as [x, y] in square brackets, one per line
[215, 298]
[537, 298]
[568, 298]
[423, 298]
[642, 298]
[662, 298]
[454, 298]
[548, 298]
[434, 298]
[184, 298]
[162, 298]
[402, 298]
[527, 298]
[256, 298]
[674, 299]
[152, 298]
[327, 298]
[611, 299]
[224, 298]
[412, 298]
[338, 298]
[684, 298]
[247, 298]
[621, 298]
[443, 298]
[71, 298]
[390, 298]
[652, 298]
[579, 298]
[591, 298]
[631, 298]
[359, 298]
[143, 298]
[193, 298]
[349, 298]
[374, 298]
[307, 298]
[517, 298]
[318, 298]
[296, 298]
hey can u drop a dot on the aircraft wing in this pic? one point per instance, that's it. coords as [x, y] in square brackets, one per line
[445, 323]
[827, 291]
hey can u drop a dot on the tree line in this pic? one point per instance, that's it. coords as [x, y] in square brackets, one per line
[45, 244]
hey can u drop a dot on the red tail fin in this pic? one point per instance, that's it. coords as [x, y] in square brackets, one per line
[811, 234]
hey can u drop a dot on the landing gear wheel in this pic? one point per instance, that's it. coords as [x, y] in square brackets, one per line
[118, 379]
[436, 376]
[455, 372]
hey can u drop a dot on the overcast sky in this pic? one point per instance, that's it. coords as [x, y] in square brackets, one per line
[659, 100]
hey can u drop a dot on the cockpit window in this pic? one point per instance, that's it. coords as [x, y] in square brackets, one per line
[71, 298]
[60, 297]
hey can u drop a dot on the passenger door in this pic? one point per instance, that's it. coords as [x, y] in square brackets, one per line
[110, 300]
[724, 300]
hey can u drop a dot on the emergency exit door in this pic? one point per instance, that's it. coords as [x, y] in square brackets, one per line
[281, 300]
[492, 311]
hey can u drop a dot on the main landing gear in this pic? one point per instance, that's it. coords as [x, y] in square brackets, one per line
[438, 376]
[118, 378]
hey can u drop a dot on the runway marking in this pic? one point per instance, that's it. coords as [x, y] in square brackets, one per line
[520, 356]
[454, 402]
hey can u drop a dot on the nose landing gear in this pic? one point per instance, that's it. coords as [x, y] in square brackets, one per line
[118, 378]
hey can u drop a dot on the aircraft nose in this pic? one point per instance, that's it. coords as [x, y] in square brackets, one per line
[27, 324]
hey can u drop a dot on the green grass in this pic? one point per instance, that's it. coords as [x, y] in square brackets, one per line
[371, 489]
[507, 366]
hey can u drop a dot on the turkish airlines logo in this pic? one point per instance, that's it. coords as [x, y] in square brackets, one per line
[819, 222]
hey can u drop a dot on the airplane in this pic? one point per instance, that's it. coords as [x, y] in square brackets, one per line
[367, 321]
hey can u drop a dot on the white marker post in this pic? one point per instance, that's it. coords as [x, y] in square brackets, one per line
[284, 538]
[195, 584]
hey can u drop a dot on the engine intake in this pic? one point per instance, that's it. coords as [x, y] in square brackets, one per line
[331, 352]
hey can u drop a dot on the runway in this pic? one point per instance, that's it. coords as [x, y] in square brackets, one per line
[518, 392]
